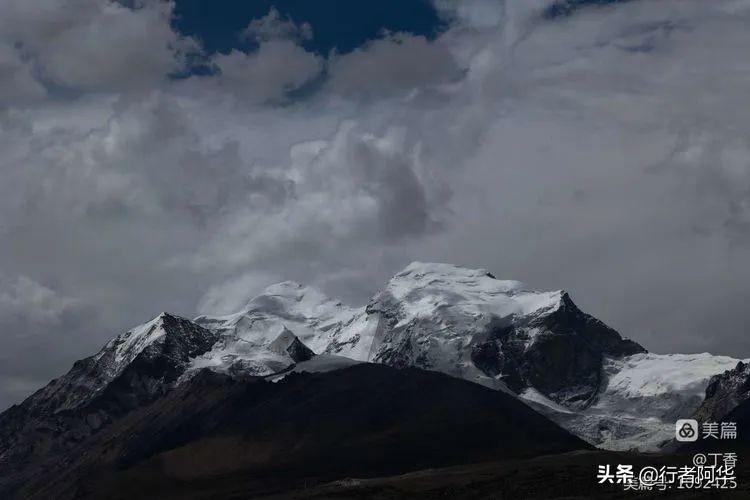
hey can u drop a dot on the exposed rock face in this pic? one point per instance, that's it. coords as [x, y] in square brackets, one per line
[565, 359]
[469, 324]
[288, 343]
[724, 393]
[132, 370]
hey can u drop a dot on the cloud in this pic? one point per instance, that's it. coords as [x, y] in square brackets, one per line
[275, 67]
[234, 294]
[396, 63]
[34, 320]
[24, 298]
[17, 81]
[268, 74]
[353, 191]
[274, 27]
[605, 152]
[14, 389]
[95, 45]
[616, 166]
[474, 13]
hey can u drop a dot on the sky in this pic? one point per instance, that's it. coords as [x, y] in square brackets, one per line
[182, 156]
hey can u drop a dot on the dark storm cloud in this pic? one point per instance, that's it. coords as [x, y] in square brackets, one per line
[604, 152]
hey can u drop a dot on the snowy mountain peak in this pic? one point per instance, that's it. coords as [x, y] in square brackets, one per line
[426, 289]
[159, 348]
[129, 344]
[305, 311]
[291, 299]
[450, 272]
[125, 347]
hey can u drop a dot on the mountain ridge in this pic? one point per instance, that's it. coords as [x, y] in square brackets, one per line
[367, 420]
[463, 322]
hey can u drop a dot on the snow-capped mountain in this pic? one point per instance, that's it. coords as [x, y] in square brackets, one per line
[167, 342]
[469, 324]
[132, 369]
[459, 321]
[462, 322]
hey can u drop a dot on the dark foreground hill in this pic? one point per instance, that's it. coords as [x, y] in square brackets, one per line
[215, 436]
[569, 476]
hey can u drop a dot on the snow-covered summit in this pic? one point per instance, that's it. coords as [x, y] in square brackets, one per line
[499, 333]
[422, 273]
[293, 301]
[429, 288]
[304, 310]
[128, 345]
[275, 330]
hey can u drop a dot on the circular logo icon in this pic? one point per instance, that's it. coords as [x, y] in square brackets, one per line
[686, 430]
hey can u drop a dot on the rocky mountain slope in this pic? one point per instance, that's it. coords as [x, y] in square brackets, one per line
[740, 417]
[256, 435]
[724, 393]
[133, 369]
